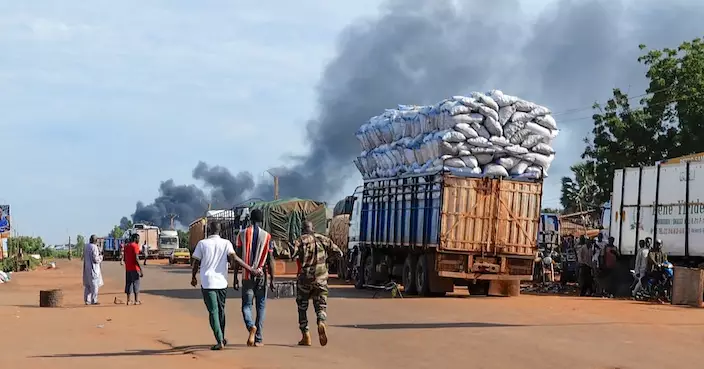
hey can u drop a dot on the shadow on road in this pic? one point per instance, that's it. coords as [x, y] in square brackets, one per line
[385, 326]
[195, 293]
[177, 350]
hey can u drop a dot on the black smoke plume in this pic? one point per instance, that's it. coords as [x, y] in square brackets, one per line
[421, 51]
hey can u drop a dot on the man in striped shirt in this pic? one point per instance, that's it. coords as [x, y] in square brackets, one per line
[255, 246]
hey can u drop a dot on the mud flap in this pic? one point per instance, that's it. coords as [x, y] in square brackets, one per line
[438, 284]
[504, 288]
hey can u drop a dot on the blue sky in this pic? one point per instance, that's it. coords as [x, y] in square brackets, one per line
[102, 100]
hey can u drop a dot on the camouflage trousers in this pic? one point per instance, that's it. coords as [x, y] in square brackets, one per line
[316, 291]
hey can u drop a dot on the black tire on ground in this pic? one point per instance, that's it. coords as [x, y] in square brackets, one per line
[361, 279]
[409, 275]
[423, 276]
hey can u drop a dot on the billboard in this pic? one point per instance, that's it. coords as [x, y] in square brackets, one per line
[5, 221]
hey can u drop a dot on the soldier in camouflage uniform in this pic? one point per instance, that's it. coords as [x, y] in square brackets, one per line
[312, 251]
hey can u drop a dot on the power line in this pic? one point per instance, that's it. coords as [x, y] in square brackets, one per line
[577, 110]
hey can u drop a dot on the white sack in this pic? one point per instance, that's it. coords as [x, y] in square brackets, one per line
[524, 106]
[519, 168]
[495, 170]
[469, 102]
[500, 141]
[531, 141]
[511, 128]
[493, 126]
[540, 111]
[508, 162]
[520, 136]
[466, 130]
[486, 100]
[469, 161]
[478, 142]
[488, 112]
[459, 109]
[547, 121]
[543, 148]
[522, 117]
[454, 163]
[481, 131]
[483, 159]
[502, 99]
[482, 150]
[468, 118]
[540, 160]
[538, 129]
[505, 114]
[452, 136]
[516, 150]
[447, 148]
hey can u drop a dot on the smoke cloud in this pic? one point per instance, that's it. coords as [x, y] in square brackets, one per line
[421, 51]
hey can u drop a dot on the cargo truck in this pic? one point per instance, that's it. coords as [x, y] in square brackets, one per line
[435, 231]
[111, 248]
[168, 242]
[664, 201]
[148, 234]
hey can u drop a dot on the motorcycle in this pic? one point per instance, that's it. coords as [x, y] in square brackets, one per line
[657, 287]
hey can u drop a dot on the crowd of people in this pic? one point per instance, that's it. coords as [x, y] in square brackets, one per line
[598, 264]
[253, 254]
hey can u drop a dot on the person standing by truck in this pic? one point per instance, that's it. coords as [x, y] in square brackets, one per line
[312, 250]
[641, 266]
[92, 275]
[584, 259]
[145, 252]
[133, 271]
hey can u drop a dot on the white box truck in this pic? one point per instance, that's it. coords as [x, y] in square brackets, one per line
[663, 201]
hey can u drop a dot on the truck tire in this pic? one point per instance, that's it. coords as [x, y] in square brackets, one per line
[480, 288]
[409, 275]
[364, 272]
[423, 276]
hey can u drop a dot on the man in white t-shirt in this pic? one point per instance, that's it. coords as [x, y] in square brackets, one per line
[210, 257]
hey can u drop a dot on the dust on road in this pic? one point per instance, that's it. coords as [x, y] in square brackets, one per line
[171, 329]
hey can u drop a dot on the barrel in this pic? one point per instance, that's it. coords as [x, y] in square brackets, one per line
[51, 298]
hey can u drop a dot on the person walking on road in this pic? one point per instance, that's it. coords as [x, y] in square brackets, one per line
[641, 266]
[133, 271]
[584, 259]
[256, 248]
[145, 252]
[312, 251]
[92, 275]
[210, 259]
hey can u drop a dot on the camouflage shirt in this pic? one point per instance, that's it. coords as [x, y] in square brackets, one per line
[312, 250]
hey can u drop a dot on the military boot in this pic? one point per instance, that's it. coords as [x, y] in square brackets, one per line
[305, 339]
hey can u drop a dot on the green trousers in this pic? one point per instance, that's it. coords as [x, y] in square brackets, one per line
[215, 302]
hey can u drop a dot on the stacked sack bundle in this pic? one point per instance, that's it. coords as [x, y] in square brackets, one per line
[489, 134]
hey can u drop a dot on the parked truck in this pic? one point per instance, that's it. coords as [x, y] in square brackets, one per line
[664, 201]
[111, 248]
[168, 242]
[149, 235]
[435, 231]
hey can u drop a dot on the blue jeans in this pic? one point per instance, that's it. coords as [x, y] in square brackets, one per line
[254, 291]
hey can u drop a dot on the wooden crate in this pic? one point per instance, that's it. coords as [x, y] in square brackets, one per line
[688, 287]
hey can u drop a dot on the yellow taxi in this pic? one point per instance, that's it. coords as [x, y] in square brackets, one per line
[180, 256]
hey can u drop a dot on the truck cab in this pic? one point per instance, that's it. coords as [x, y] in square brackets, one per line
[168, 242]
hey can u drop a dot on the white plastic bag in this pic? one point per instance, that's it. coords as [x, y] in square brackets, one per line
[505, 114]
[466, 130]
[493, 126]
[495, 170]
[508, 162]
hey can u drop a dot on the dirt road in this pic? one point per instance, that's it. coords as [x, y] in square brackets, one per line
[171, 329]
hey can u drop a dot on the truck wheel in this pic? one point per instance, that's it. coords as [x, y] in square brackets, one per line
[364, 273]
[480, 288]
[409, 275]
[423, 276]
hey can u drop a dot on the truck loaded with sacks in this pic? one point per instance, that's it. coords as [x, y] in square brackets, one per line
[452, 195]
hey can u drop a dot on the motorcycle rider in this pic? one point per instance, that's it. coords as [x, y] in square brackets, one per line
[655, 259]
[641, 266]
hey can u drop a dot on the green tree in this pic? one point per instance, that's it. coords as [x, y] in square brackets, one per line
[117, 232]
[28, 245]
[183, 238]
[581, 192]
[669, 121]
[551, 211]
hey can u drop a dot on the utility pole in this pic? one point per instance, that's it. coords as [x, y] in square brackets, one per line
[69, 247]
[276, 184]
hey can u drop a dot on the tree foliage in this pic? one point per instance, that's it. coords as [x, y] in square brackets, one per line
[29, 245]
[581, 192]
[668, 122]
[183, 238]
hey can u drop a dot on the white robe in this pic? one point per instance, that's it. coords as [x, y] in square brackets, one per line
[92, 275]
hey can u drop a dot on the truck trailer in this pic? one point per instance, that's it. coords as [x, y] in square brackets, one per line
[168, 242]
[664, 201]
[149, 235]
[435, 231]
